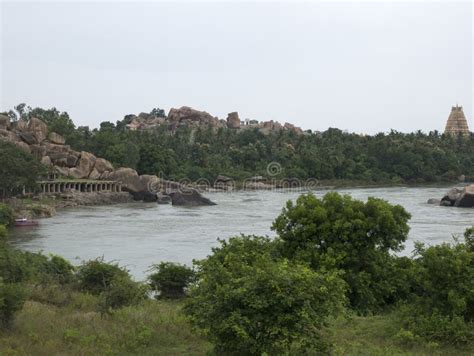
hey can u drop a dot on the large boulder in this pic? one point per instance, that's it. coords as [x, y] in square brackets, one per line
[452, 196]
[102, 165]
[56, 138]
[4, 122]
[466, 199]
[129, 178]
[28, 138]
[85, 164]
[233, 120]
[186, 116]
[189, 197]
[21, 125]
[23, 146]
[46, 160]
[8, 136]
[94, 175]
[38, 128]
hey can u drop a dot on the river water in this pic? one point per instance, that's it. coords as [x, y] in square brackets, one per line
[137, 235]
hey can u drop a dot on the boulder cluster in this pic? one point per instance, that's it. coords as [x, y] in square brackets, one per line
[459, 197]
[51, 149]
[189, 117]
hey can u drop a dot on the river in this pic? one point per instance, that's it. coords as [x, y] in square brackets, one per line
[137, 235]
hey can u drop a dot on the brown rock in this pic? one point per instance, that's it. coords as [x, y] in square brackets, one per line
[46, 161]
[233, 120]
[63, 171]
[94, 174]
[38, 151]
[23, 146]
[8, 136]
[466, 199]
[56, 138]
[28, 138]
[129, 179]
[38, 128]
[21, 125]
[4, 122]
[102, 165]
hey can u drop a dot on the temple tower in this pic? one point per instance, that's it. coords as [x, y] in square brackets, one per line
[457, 123]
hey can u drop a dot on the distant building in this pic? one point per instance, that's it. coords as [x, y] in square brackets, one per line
[457, 123]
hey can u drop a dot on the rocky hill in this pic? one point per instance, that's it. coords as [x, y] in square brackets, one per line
[189, 117]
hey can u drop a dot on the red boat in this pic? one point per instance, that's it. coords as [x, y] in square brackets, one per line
[25, 222]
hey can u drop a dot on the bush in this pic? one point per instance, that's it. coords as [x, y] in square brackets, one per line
[96, 276]
[12, 298]
[249, 302]
[3, 232]
[442, 305]
[122, 292]
[170, 279]
[7, 217]
[343, 233]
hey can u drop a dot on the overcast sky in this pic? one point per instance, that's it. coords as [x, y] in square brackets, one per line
[359, 66]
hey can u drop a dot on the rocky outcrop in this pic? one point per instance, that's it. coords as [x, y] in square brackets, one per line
[56, 138]
[459, 197]
[129, 178]
[189, 197]
[233, 120]
[4, 122]
[38, 128]
[466, 199]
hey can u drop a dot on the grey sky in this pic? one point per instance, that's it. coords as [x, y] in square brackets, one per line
[360, 66]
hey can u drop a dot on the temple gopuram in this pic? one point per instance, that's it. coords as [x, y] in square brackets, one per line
[457, 123]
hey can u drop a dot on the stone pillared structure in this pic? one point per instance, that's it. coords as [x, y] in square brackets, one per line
[457, 123]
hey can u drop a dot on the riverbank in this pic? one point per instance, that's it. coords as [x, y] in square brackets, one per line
[47, 206]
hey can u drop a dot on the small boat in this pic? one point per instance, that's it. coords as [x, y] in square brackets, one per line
[25, 222]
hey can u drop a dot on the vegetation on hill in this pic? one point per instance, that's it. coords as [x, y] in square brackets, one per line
[204, 153]
[329, 283]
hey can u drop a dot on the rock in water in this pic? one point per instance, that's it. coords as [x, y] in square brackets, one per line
[466, 198]
[434, 201]
[452, 196]
[163, 198]
[189, 197]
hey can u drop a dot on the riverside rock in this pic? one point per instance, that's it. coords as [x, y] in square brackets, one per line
[38, 128]
[189, 197]
[466, 198]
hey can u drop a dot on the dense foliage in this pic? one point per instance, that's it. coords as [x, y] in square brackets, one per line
[170, 280]
[18, 169]
[7, 217]
[392, 157]
[347, 234]
[249, 302]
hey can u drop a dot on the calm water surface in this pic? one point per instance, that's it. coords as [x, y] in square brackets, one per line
[137, 235]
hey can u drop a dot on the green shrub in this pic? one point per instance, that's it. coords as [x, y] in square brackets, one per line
[3, 232]
[469, 238]
[12, 298]
[14, 267]
[170, 279]
[249, 302]
[350, 235]
[122, 292]
[442, 305]
[95, 276]
[7, 217]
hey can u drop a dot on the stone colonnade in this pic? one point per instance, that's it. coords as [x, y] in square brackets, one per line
[79, 187]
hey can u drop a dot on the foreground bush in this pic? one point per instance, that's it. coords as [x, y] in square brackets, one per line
[96, 276]
[249, 302]
[12, 298]
[7, 217]
[170, 279]
[122, 292]
[350, 235]
[442, 306]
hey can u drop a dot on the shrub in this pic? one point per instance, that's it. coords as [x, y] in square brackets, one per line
[12, 298]
[7, 217]
[3, 232]
[170, 279]
[249, 302]
[343, 233]
[469, 238]
[95, 276]
[122, 292]
[442, 305]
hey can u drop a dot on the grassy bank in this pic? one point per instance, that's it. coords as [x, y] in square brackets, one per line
[159, 328]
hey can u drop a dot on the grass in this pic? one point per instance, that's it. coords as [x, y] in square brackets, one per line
[55, 322]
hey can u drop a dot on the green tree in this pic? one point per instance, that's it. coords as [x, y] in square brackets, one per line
[346, 234]
[18, 169]
[249, 301]
[170, 279]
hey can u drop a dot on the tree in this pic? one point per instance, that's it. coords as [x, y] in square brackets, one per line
[249, 301]
[170, 279]
[18, 169]
[343, 233]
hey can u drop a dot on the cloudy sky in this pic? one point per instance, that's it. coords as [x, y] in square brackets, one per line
[360, 66]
